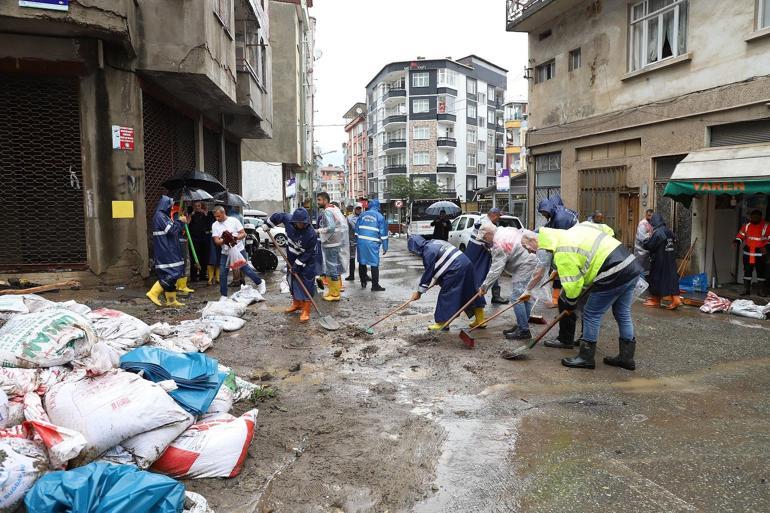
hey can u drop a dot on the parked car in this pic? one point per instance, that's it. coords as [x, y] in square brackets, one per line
[462, 227]
[278, 233]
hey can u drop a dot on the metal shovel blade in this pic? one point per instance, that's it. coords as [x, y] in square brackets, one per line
[518, 353]
[328, 322]
[469, 341]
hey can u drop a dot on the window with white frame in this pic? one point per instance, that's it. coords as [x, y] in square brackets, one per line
[763, 14]
[575, 59]
[446, 104]
[471, 86]
[447, 77]
[658, 31]
[472, 134]
[482, 169]
[471, 110]
[491, 92]
[471, 159]
[482, 146]
[421, 132]
[421, 158]
[420, 106]
[491, 115]
[482, 122]
[420, 79]
[482, 98]
[545, 71]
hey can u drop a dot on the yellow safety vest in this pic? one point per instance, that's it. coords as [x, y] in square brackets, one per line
[578, 254]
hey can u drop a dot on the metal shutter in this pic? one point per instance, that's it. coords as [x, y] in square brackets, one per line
[233, 166]
[745, 132]
[211, 153]
[42, 184]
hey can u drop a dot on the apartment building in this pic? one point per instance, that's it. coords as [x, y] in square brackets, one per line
[439, 120]
[357, 149]
[101, 102]
[331, 179]
[634, 102]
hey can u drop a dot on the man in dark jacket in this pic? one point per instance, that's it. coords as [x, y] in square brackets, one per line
[200, 232]
[441, 226]
[664, 281]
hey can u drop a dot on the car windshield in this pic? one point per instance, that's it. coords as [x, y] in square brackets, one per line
[510, 222]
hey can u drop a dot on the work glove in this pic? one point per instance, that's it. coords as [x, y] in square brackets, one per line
[525, 296]
[266, 228]
[553, 276]
[416, 296]
[566, 304]
[482, 291]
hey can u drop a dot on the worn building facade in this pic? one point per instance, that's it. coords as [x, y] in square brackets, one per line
[621, 92]
[356, 150]
[292, 40]
[101, 103]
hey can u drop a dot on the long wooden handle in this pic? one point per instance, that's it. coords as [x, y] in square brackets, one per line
[553, 323]
[291, 270]
[501, 312]
[396, 310]
[461, 310]
[42, 288]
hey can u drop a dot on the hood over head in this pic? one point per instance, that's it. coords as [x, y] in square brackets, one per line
[549, 205]
[657, 220]
[164, 205]
[416, 244]
[300, 216]
[374, 204]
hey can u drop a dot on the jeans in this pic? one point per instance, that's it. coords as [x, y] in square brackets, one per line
[620, 299]
[332, 264]
[522, 310]
[224, 270]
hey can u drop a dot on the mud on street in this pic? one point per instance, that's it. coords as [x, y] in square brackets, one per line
[407, 421]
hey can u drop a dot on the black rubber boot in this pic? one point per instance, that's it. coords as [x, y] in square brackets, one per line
[585, 357]
[352, 275]
[558, 343]
[511, 331]
[746, 288]
[766, 289]
[376, 280]
[625, 357]
[499, 300]
[362, 275]
[520, 335]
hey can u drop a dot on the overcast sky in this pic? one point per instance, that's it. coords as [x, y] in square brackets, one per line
[356, 38]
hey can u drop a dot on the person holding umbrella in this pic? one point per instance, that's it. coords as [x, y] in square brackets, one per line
[167, 253]
[441, 226]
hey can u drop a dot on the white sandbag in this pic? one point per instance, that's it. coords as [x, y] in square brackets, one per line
[75, 307]
[62, 444]
[37, 303]
[192, 327]
[13, 304]
[212, 448]
[747, 308]
[147, 447]
[103, 358]
[247, 295]
[227, 322]
[23, 463]
[17, 382]
[284, 286]
[110, 408]
[15, 413]
[195, 503]
[224, 306]
[162, 329]
[120, 330]
[50, 337]
[4, 409]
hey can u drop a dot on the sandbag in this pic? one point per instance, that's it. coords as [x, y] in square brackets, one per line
[195, 503]
[224, 306]
[105, 488]
[747, 308]
[142, 450]
[111, 408]
[247, 295]
[4, 409]
[46, 338]
[227, 323]
[212, 448]
[23, 463]
[119, 330]
[103, 358]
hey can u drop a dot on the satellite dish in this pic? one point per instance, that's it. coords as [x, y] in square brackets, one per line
[303, 183]
[359, 110]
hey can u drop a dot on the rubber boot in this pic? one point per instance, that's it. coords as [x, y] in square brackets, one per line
[304, 314]
[376, 280]
[362, 275]
[585, 357]
[625, 357]
[216, 273]
[675, 302]
[652, 302]
[352, 275]
[558, 343]
[766, 289]
[334, 290]
[181, 286]
[519, 334]
[436, 326]
[211, 273]
[511, 331]
[555, 298]
[171, 300]
[746, 288]
[296, 306]
[478, 314]
[154, 293]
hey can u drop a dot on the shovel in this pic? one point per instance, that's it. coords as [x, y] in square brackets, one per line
[521, 351]
[326, 321]
[470, 341]
[370, 331]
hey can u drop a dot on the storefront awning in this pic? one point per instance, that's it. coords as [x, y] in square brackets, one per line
[730, 170]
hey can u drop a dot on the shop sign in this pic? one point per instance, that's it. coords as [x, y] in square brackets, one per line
[503, 180]
[122, 138]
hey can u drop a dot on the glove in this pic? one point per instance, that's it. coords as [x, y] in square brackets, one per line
[266, 228]
[482, 291]
[525, 296]
[416, 296]
[566, 304]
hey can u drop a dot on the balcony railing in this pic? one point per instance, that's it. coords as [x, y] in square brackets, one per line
[446, 142]
[446, 168]
[397, 118]
[499, 150]
[446, 117]
[394, 144]
[395, 93]
[517, 9]
[395, 169]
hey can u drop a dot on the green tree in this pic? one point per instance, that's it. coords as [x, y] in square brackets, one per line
[402, 187]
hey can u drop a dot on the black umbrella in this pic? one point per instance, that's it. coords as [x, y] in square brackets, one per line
[230, 199]
[450, 208]
[194, 179]
[189, 194]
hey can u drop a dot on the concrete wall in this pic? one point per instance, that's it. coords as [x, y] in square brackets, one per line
[718, 54]
[263, 185]
[422, 145]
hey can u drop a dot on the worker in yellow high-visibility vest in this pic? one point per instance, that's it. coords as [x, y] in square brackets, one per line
[587, 256]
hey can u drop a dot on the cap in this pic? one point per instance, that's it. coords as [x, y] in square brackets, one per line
[495, 211]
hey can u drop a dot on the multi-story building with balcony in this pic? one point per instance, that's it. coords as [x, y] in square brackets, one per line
[358, 150]
[439, 120]
[331, 179]
[632, 104]
[101, 102]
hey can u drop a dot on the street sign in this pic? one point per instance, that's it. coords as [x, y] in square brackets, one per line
[503, 180]
[399, 203]
[54, 5]
[122, 138]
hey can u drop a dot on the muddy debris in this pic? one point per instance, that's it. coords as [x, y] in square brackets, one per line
[423, 339]
[295, 367]
[369, 350]
[337, 353]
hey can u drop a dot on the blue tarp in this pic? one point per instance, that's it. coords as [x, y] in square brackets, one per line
[105, 488]
[196, 375]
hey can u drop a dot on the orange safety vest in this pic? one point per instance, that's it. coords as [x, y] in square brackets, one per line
[755, 237]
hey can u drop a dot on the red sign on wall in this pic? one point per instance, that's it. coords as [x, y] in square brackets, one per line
[122, 138]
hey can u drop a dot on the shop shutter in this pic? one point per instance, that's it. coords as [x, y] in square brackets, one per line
[211, 153]
[746, 132]
[233, 165]
[43, 224]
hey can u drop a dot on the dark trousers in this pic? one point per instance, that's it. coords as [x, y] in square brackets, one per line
[364, 277]
[202, 250]
[760, 265]
[496, 289]
[352, 267]
[567, 327]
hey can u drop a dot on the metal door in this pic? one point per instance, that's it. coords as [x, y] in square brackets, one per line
[43, 226]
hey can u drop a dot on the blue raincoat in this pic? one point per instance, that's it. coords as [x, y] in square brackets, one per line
[451, 270]
[166, 251]
[371, 233]
[479, 255]
[561, 218]
[301, 249]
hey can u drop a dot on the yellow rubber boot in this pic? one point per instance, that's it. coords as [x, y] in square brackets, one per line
[334, 291]
[436, 326]
[216, 273]
[181, 286]
[304, 316]
[211, 273]
[296, 306]
[154, 293]
[478, 313]
[171, 299]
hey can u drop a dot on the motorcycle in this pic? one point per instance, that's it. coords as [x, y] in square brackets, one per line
[261, 259]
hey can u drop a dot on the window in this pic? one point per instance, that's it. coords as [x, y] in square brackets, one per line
[482, 169]
[491, 115]
[491, 92]
[421, 132]
[763, 14]
[482, 146]
[545, 71]
[224, 11]
[472, 134]
[574, 60]
[420, 106]
[470, 183]
[482, 122]
[446, 104]
[457, 222]
[471, 110]
[421, 158]
[420, 79]
[658, 31]
[471, 160]
[447, 77]
[471, 86]
[482, 98]
[548, 170]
